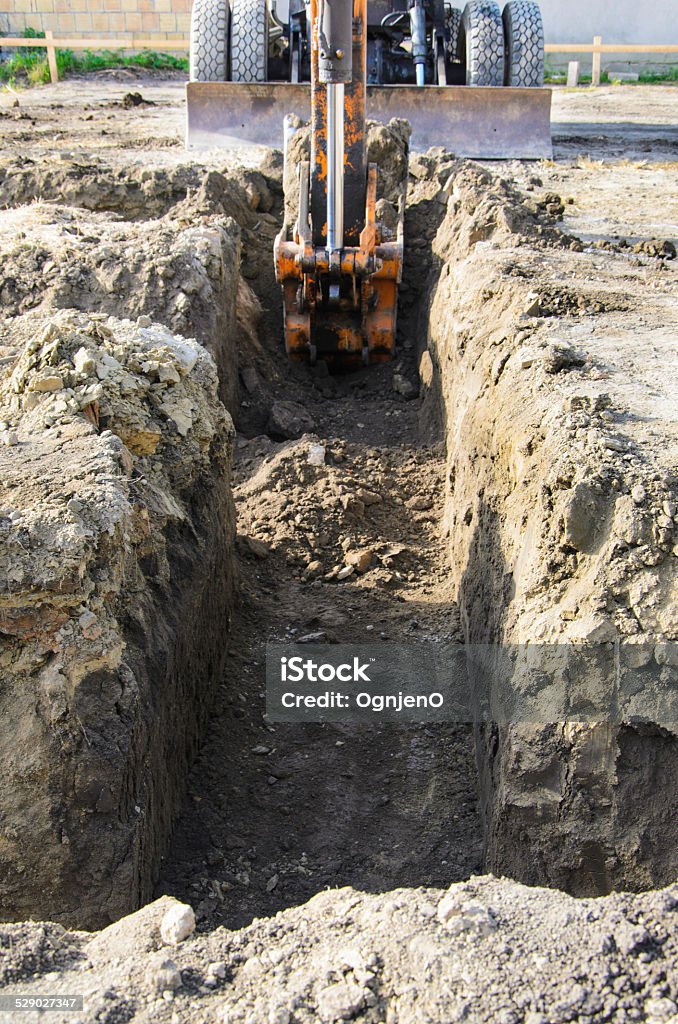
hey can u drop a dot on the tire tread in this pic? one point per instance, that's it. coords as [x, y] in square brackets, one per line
[481, 43]
[249, 41]
[524, 35]
[209, 41]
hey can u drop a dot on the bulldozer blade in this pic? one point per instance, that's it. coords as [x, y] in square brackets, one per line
[469, 121]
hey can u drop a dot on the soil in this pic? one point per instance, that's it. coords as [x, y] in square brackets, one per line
[485, 951]
[275, 814]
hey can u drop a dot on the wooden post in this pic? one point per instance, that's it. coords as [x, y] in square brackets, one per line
[573, 74]
[595, 65]
[51, 58]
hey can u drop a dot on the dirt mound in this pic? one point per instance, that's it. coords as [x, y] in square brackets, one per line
[90, 184]
[323, 505]
[186, 278]
[486, 950]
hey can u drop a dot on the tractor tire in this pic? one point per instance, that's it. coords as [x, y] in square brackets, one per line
[249, 41]
[524, 44]
[481, 43]
[209, 41]
[453, 26]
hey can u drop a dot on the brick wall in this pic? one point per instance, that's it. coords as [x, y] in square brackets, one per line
[157, 19]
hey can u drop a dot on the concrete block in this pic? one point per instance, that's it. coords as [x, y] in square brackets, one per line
[65, 24]
[83, 22]
[573, 74]
[624, 76]
[149, 22]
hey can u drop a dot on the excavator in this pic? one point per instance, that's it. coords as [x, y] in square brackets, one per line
[471, 81]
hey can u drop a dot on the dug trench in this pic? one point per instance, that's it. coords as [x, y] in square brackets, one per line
[451, 493]
[509, 478]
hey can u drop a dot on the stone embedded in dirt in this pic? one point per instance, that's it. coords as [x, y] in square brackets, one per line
[403, 386]
[560, 355]
[47, 382]
[581, 516]
[638, 494]
[133, 936]
[316, 455]
[465, 916]
[420, 503]
[346, 572]
[531, 305]
[659, 248]
[426, 369]
[84, 362]
[177, 924]
[168, 977]
[217, 969]
[340, 1001]
[659, 1010]
[369, 497]
[253, 546]
[288, 421]
[361, 560]
[352, 504]
[180, 412]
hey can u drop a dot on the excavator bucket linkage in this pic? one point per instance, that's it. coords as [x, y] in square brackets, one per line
[354, 323]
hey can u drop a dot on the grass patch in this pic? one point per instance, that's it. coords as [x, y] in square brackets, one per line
[28, 65]
[670, 74]
[557, 76]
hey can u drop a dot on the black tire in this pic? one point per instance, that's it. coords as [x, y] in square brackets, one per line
[249, 41]
[209, 41]
[481, 43]
[453, 26]
[524, 44]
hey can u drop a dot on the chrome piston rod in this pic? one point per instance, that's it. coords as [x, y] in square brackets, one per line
[335, 167]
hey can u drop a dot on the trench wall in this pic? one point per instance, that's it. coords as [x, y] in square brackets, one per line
[116, 549]
[547, 545]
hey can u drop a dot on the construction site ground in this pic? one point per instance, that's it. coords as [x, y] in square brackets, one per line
[317, 858]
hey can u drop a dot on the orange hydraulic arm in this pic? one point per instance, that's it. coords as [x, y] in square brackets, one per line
[339, 278]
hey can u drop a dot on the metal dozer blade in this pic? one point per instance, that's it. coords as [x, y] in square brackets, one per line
[481, 123]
